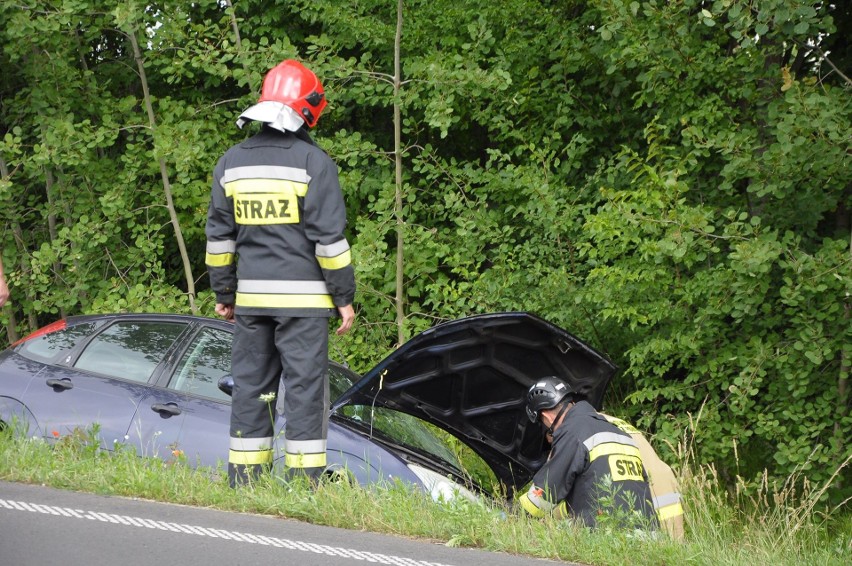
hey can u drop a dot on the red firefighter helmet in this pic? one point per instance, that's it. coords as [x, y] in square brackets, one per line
[293, 84]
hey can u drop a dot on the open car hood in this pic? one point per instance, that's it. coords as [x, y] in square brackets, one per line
[470, 377]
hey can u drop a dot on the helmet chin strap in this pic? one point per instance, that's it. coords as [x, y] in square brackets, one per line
[565, 406]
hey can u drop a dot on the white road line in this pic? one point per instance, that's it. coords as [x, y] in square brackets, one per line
[214, 533]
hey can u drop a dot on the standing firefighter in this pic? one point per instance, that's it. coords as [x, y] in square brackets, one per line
[594, 472]
[276, 204]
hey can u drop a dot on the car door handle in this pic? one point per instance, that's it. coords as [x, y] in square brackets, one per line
[166, 408]
[60, 384]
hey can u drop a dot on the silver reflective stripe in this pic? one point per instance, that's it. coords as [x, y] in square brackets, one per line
[305, 446]
[536, 497]
[223, 247]
[666, 499]
[332, 250]
[605, 437]
[265, 172]
[270, 286]
[251, 444]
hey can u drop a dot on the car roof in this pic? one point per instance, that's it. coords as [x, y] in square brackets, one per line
[187, 318]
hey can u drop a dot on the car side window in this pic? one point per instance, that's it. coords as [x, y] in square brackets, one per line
[339, 380]
[207, 359]
[52, 347]
[130, 350]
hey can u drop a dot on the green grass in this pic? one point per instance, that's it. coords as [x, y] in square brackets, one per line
[770, 528]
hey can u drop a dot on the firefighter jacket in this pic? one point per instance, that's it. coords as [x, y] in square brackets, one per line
[664, 484]
[594, 469]
[276, 203]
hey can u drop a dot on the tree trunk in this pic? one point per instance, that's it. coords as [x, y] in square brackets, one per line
[22, 250]
[51, 226]
[233, 14]
[12, 327]
[187, 268]
[68, 220]
[397, 150]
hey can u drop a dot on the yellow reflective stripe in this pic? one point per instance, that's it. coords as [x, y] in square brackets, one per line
[530, 507]
[305, 460]
[219, 260]
[338, 262]
[268, 186]
[623, 425]
[561, 511]
[670, 511]
[250, 457]
[612, 448]
[284, 301]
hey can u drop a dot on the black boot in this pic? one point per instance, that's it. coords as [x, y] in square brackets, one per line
[244, 474]
[312, 475]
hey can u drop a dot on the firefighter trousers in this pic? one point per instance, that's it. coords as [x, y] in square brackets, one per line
[266, 350]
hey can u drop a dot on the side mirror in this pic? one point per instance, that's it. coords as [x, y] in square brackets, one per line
[226, 384]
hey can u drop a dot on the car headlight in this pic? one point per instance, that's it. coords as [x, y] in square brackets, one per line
[441, 488]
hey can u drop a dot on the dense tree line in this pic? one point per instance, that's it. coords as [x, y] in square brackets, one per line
[668, 180]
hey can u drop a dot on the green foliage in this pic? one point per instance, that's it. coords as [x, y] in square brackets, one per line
[670, 181]
[729, 334]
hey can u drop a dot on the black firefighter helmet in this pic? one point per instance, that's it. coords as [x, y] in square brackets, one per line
[546, 393]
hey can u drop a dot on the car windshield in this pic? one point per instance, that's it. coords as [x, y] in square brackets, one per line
[400, 428]
[389, 425]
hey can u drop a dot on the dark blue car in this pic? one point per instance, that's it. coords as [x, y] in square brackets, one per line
[158, 382]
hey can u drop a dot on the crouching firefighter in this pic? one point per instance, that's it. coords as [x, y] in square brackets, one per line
[280, 266]
[594, 472]
[662, 479]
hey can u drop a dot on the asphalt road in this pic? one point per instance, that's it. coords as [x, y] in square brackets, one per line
[41, 526]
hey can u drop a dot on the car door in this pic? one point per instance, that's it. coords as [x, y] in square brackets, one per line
[102, 387]
[189, 417]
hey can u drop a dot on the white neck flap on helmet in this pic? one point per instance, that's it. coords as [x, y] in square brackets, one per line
[276, 114]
